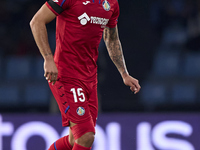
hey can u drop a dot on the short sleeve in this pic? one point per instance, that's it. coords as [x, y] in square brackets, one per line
[114, 18]
[58, 6]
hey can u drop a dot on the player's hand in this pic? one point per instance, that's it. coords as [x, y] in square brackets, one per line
[133, 83]
[50, 71]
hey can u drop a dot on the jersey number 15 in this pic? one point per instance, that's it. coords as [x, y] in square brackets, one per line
[78, 94]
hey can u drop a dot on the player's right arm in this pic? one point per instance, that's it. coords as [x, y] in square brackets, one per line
[38, 27]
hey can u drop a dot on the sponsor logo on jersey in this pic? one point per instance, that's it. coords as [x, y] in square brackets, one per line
[84, 19]
[106, 5]
[55, 1]
[80, 111]
[85, 3]
[100, 21]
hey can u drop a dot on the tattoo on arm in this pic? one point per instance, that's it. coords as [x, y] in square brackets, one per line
[114, 48]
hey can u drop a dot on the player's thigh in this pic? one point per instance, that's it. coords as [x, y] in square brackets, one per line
[77, 97]
[71, 137]
[93, 103]
[74, 101]
[59, 93]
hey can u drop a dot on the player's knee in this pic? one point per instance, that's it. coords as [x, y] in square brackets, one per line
[83, 133]
[86, 140]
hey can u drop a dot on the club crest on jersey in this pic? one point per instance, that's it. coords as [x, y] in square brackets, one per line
[55, 1]
[80, 111]
[106, 5]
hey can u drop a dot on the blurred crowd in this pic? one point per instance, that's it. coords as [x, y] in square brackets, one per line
[173, 82]
[15, 33]
[180, 16]
[165, 15]
[176, 23]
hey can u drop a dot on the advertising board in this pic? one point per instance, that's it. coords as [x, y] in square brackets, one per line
[135, 131]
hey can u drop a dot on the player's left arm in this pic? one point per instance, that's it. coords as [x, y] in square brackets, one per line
[114, 48]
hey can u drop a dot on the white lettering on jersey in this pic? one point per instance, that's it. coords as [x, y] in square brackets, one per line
[55, 1]
[97, 20]
[84, 18]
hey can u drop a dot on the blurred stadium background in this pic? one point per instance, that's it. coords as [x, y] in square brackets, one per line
[161, 44]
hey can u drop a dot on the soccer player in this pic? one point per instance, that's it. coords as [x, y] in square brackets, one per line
[72, 72]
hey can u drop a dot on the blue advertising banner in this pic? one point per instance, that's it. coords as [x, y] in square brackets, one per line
[135, 131]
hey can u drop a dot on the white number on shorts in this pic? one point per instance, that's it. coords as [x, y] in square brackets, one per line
[80, 95]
